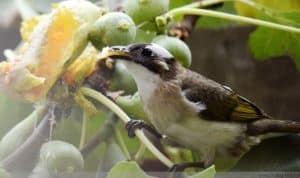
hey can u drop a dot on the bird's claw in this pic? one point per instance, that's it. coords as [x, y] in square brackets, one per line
[132, 125]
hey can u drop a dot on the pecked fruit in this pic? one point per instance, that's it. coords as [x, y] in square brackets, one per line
[176, 47]
[55, 41]
[59, 157]
[81, 68]
[145, 10]
[113, 28]
[28, 26]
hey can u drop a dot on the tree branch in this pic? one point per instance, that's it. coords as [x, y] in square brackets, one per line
[186, 27]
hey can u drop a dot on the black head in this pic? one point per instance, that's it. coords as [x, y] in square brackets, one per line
[153, 57]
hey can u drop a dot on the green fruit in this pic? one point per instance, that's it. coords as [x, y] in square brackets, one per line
[60, 157]
[145, 10]
[114, 28]
[176, 47]
[143, 36]
[122, 80]
[132, 105]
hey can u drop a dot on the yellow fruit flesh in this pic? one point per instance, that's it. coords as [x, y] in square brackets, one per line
[51, 59]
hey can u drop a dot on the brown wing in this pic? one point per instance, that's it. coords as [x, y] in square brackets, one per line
[221, 102]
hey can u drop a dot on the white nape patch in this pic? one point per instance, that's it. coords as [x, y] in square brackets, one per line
[146, 80]
[163, 65]
[162, 52]
[201, 106]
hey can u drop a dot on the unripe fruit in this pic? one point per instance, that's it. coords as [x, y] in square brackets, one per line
[176, 47]
[145, 10]
[132, 105]
[60, 157]
[122, 80]
[114, 28]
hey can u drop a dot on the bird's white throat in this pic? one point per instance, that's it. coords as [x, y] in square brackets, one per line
[146, 80]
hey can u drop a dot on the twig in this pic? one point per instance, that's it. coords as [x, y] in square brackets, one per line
[122, 115]
[186, 27]
[139, 154]
[29, 150]
[83, 130]
[237, 18]
[122, 144]
[105, 133]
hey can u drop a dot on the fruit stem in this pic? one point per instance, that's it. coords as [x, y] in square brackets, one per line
[206, 3]
[83, 130]
[124, 117]
[222, 15]
[122, 144]
[139, 154]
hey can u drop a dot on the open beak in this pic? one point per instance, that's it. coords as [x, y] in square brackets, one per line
[116, 52]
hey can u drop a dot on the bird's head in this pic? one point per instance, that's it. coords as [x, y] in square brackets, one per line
[145, 60]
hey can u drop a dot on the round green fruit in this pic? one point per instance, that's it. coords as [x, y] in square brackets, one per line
[60, 157]
[176, 47]
[122, 80]
[113, 28]
[145, 10]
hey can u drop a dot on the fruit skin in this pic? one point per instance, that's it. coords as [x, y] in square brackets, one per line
[54, 43]
[60, 157]
[122, 80]
[113, 28]
[132, 105]
[176, 47]
[144, 10]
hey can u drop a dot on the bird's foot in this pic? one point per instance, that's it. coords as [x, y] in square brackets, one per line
[182, 166]
[132, 125]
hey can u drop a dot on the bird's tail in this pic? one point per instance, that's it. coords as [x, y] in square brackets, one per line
[265, 126]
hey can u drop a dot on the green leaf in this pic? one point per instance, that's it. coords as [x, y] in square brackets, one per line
[215, 23]
[207, 173]
[127, 169]
[266, 43]
[280, 154]
[178, 3]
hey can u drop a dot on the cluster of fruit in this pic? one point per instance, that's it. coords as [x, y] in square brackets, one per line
[63, 46]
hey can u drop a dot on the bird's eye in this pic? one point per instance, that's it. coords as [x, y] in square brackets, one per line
[147, 52]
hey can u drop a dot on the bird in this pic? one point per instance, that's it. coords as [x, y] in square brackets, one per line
[193, 111]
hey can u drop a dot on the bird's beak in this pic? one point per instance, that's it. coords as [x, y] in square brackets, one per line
[116, 52]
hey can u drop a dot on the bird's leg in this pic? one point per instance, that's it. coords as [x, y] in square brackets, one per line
[132, 125]
[182, 166]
